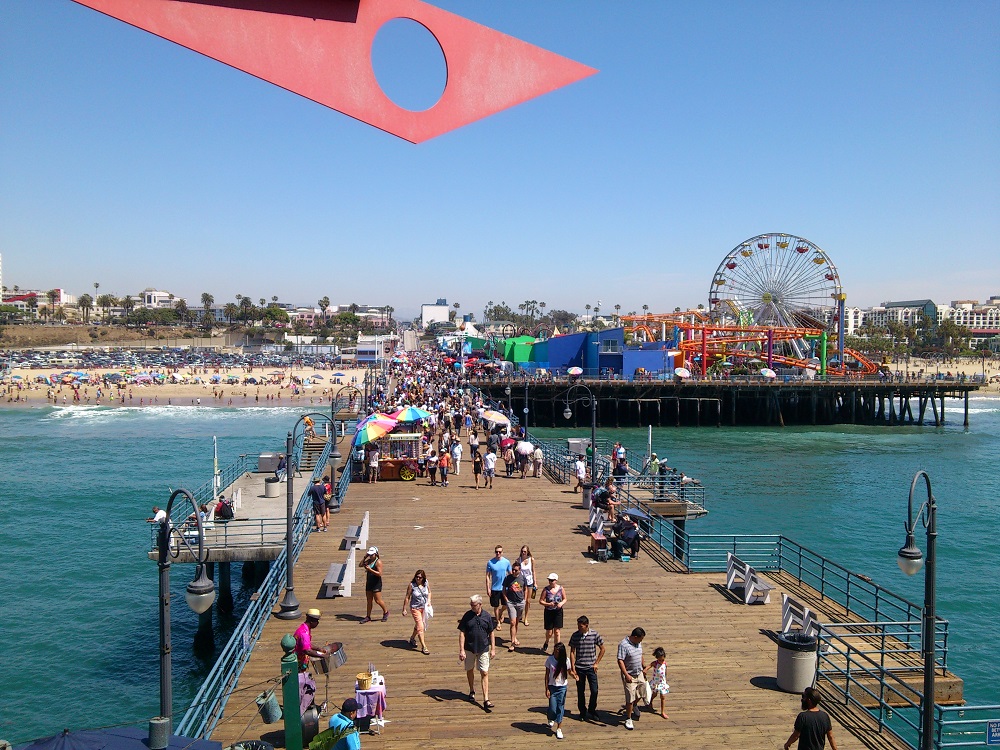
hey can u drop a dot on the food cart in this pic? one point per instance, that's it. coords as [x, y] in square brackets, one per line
[398, 453]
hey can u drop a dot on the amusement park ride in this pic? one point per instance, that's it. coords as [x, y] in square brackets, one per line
[775, 299]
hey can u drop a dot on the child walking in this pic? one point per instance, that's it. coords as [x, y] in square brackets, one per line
[658, 679]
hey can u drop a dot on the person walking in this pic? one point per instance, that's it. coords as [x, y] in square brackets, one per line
[633, 668]
[556, 681]
[477, 468]
[372, 563]
[476, 646]
[537, 459]
[432, 467]
[658, 679]
[553, 599]
[473, 441]
[373, 465]
[456, 456]
[317, 494]
[812, 726]
[581, 473]
[586, 649]
[497, 569]
[528, 571]
[415, 601]
[444, 463]
[514, 591]
[489, 468]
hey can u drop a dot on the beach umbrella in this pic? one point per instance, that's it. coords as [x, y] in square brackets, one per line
[369, 433]
[495, 417]
[317, 377]
[768, 373]
[410, 414]
[338, 375]
[682, 372]
[251, 381]
[215, 378]
[575, 371]
[524, 448]
[383, 420]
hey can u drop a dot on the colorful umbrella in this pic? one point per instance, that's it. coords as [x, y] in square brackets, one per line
[507, 441]
[767, 372]
[495, 417]
[369, 433]
[410, 414]
[575, 371]
[682, 372]
[378, 418]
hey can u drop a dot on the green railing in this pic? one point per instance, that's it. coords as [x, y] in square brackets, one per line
[210, 702]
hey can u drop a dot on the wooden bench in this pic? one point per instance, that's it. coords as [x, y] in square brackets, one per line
[357, 536]
[755, 589]
[340, 577]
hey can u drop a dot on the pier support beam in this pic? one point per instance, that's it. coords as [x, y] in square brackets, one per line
[966, 422]
[225, 600]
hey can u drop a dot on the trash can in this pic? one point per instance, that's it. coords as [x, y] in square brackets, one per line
[588, 490]
[272, 487]
[796, 661]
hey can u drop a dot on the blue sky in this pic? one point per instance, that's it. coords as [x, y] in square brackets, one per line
[870, 129]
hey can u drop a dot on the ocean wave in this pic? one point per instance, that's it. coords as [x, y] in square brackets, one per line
[97, 414]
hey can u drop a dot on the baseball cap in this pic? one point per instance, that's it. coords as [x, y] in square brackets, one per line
[349, 705]
[373, 550]
[553, 576]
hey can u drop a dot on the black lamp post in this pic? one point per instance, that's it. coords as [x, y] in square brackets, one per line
[910, 560]
[200, 593]
[506, 392]
[586, 400]
[288, 609]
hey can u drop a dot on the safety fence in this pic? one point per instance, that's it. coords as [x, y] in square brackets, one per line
[209, 703]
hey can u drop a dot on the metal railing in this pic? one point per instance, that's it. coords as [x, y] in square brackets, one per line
[967, 726]
[209, 703]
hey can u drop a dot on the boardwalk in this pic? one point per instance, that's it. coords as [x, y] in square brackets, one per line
[721, 660]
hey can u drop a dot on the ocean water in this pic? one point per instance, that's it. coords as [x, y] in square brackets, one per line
[78, 596]
[78, 612]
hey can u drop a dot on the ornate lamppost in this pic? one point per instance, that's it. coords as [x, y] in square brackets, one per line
[910, 559]
[200, 592]
[586, 399]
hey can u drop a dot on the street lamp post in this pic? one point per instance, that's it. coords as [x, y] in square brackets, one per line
[288, 609]
[910, 560]
[506, 392]
[587, 400]
[200, 594]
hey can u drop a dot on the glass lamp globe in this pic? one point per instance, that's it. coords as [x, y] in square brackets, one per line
[200, 593]
[910, 558]
[567, 413]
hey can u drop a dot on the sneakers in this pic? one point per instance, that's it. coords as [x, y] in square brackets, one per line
[545, 646]
[559, 735]
[551, 724]
[629, 724]
[385, 617]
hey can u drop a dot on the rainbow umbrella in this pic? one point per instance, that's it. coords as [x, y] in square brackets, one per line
[369, 433]
[410, 414]
[378, 418]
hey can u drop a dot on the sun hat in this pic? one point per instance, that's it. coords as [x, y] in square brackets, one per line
[313, 614]
[553, 576]
[373, 550]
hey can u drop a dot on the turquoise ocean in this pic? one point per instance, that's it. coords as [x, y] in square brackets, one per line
[78, 612]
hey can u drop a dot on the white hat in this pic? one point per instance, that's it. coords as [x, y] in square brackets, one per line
[553, 576]
[373, 550]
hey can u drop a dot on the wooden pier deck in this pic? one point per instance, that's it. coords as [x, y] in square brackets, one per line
[721, 659]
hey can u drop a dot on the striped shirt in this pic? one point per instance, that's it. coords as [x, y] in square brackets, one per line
[584, 647]
[631, 655]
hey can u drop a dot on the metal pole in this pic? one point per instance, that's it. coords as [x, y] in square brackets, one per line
[289, 607]
[593, 440]
[930, 578]
[166, 690]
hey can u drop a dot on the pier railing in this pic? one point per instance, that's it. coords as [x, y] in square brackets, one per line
[210, 702]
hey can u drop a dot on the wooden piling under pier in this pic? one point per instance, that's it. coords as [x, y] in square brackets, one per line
[744, 404]
[721, 656]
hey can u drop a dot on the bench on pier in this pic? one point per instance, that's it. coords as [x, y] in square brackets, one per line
[755, 589]
[357, 536]
[795, 613]
[340, 577]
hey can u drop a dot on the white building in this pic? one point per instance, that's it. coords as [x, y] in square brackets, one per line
[436, 313]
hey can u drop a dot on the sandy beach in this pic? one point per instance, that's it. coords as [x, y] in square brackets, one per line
[281, 393]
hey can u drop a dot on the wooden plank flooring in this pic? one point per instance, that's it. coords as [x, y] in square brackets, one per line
[721, 659]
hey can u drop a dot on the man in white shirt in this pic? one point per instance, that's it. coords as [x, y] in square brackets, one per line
[581, 473]
[456, 458]
[489, 468]
[159, 515]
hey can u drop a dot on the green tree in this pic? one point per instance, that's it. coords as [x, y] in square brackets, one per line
[127, 305]
[230, 311]
[324, 303]
[86, 304]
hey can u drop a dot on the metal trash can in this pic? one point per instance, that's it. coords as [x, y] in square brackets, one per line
[796, 661]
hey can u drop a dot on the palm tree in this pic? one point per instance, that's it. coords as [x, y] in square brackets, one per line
[181, 306]
[645, 309]
[324, 303]
[52, 294]
[32, 302]
[246, 309]
[618, 312]
[128, 305]
[231, 310]
[541, 306]
[85, 303]
[587, 306]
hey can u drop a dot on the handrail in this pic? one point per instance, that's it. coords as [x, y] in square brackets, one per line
[210, 701]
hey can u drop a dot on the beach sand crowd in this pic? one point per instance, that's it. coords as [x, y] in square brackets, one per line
[275, 390]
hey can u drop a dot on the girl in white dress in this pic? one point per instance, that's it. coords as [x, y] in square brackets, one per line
[658, 679]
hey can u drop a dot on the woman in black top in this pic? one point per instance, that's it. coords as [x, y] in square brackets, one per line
[372, 564]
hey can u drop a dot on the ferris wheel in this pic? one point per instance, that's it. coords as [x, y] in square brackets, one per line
[775, 280]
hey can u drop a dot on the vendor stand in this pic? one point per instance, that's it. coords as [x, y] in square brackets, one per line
[398, 453]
